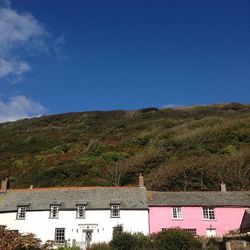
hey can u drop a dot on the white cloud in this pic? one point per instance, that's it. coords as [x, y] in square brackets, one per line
[19, 32]
[13, 67]
[170, 106]
[19, 107]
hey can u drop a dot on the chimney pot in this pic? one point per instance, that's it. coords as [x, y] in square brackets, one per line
[4, 185]
[223, 187]
[141, 180]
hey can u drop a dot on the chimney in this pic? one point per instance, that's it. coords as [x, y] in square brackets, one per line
[4, 185]
[141, 180]
[223, 186]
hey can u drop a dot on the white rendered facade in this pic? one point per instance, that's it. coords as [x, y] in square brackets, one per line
[99, 222]
[75, 215]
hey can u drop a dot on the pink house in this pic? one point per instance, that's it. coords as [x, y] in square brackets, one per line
[202, 213]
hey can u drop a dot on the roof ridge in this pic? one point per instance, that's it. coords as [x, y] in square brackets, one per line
[208, 191]
[69, 188]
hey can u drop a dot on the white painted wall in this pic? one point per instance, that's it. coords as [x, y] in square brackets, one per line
[39, 223]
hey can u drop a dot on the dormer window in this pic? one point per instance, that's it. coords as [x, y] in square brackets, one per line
[21, 212]
[80, 211]
[54, 211]
[114, 210]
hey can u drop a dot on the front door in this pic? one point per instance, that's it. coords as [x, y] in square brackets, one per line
[88, 237]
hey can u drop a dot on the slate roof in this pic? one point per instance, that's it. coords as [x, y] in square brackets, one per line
[245, 224]
[94, 197]
[212, 198]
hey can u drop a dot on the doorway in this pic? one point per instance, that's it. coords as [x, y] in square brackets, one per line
[88, 236]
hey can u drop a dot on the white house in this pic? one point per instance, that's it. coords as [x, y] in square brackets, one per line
[80, 215]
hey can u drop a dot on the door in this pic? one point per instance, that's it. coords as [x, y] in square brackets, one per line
[88, 237]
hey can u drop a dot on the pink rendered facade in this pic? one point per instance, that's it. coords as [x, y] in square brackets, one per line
[226, 219]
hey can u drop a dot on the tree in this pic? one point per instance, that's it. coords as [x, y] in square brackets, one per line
[13, 240]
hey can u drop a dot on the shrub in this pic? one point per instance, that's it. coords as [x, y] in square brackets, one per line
[68, 248]
[175, 239]
[100, 246]
[129, 241]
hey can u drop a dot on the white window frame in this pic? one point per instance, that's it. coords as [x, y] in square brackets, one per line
[80, 211]
[208, 213]
[115, 211]
[60, 235]
[21, 212]
[54, 212]
[177, 213]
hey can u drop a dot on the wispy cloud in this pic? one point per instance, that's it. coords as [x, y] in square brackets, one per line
[19, 107]
[170, 106]
[13, 67]
[20, 32]
[5, 3]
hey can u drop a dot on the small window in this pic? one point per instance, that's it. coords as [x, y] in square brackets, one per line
[177, 213]
[191, 230]
[60, 235]
[21, 212]
[54, 211]
[80, 211]
[117, 230]
[115, 211]
[208, 213]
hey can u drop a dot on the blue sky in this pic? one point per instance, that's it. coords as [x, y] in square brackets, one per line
[74, 55]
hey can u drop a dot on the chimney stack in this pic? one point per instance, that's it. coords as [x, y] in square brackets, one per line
[223, 186]
[4, 185]
[141, 180]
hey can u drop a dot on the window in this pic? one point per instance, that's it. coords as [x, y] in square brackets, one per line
[117, 230]
[60, 235]
[54, 211]
[191, 230]
[21, 212]
[80, 211]
[177, 213]
[208, 213]
[115, 211]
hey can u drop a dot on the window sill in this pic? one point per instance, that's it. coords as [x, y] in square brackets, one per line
[209, 219]
[112, 217]
[177, 218]
[20, 218]
[53, 217]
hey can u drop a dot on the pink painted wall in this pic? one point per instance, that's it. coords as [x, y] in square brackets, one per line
[226, 219]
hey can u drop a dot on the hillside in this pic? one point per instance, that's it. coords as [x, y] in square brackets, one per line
[191, 148]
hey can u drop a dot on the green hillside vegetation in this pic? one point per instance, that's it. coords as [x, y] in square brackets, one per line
[190, 148]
